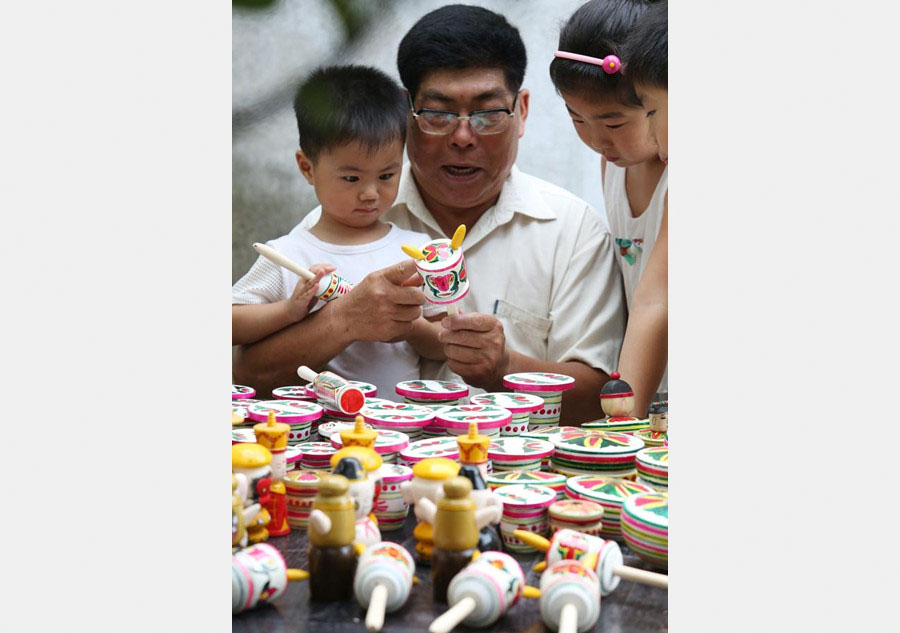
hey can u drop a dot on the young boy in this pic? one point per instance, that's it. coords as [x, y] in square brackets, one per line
[352, 125]
[644, 356]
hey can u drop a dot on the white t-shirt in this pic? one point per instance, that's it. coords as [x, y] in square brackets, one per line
[383, 364]
[541, 261]
[635, 236]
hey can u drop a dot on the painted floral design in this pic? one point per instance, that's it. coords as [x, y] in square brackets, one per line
[437, 252]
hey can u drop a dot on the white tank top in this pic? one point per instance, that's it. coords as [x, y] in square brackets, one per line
[635, 237]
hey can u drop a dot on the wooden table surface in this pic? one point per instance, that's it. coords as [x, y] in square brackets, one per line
[631, 608]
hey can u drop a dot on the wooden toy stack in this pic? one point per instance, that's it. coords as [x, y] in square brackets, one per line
[316, 455]
[429, 447]
[608, 492]
[242, 392]
[432, 393]
[455, 420]
[292, 455]
[239, 410]
[524, 508]
[390, 508]
[645, 526]
[388, 444]
[586, 452]
[518, 453]
[301, 486]
[580, 515]
[653, 467]
[617, 402]
[410, 419]
[548, 386]
[297, 414]
[293, 392]
[556, 481]
[520, 406]
[243, 434]
[333, 428]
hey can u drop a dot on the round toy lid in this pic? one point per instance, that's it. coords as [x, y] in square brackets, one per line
[651, 435]
[526, 495]
[512, 402]
[432, 389]
[538, 477]
[546, 431]
[249, 455]
[657, 456]
[239, 392]
[240, 406]
[328, 429]
[604, 489]
[438, 255]
[431, 447]
[458, 417]
[370, 460]
[436, 468]
[393, 473]
[316, 448]
[576, 510]
[287, 411]
[301, 478]
[244, 435]
[292, 454]
[617, 425]
[597, 443]
[396, 413]
[508, 449]
[651, 508]
[293, 392]
[386, 441]
[538, 381]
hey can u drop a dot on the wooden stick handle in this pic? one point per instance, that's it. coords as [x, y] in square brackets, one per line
[375, 614]
[642, 576]
[306, 373]
[568, 618]
[452, 309]
[453, 616]
[274, 256]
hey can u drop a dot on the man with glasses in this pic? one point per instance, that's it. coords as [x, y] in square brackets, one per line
[544, 291]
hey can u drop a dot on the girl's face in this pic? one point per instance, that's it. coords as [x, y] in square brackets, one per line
[619, 132]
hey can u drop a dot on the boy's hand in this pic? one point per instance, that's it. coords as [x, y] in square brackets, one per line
[303, 298]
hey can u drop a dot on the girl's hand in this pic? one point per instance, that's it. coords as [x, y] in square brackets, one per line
[304, 298]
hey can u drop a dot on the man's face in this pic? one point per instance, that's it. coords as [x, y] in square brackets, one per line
[462, 169]
[656, 104]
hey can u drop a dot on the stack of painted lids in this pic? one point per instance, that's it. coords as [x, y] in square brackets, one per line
[293, 392]
[398, 416]
[390, 509]
[297, 414]
[555, 481]
[242, 392]
[243, 434]
[608, 492]
[653, 467]
[524, 508]
[300, 488]
[645, 526]
[292, 456]
[432, 393]
[239, 408]
[518, 453]
[316, 455]
[429, 447]
[388, 444]
[520, 405]
[548, 386]
[580, 515]
[619, 425]
[455, 420]
[586, 452]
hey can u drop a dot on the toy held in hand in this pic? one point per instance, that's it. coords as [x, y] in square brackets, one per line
[443, 268]
[331, 286]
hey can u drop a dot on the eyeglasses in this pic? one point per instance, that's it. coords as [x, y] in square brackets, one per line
[482, 122]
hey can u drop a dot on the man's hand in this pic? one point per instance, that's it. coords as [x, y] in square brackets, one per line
[476, 349]
[383, 305]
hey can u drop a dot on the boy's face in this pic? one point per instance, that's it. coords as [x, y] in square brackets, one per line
[656, 104]
[355, 186]
[618, 132]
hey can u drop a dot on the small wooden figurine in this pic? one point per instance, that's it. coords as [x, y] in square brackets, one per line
[617, 399]
[274, 436]
[358, 464]
[240, 516]
[428, 476]
[332, 555]
[484, 497]
[250, 465]
[659, 416]
[473, 449]
[455, 535]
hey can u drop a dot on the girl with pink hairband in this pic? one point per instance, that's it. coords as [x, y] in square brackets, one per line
[608, 116]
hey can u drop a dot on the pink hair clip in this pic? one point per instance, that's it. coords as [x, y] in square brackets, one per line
[610, 64]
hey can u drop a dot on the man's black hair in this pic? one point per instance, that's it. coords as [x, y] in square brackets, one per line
[340, 104]
[647, 48]
[457, 37]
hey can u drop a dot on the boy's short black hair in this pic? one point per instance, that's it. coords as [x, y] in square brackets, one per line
[647, 48]
[459, 36]
[598, 28]
[340, 104]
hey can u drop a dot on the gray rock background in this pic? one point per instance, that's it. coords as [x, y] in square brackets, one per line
[273, 48]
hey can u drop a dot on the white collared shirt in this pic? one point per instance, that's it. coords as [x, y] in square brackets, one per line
[542, 262]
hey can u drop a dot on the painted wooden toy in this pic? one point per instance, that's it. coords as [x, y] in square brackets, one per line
[383, 581]
[617, 399]
[331, 388]
[546, 385]
[429, 476]
[442, 265]
[258, 575]
[484, 497]
[331, 285]
[483, 592]
[603, 556]
[473, 449]
[250, 465]
[359, 435]
[455, 535]
[274, 436]
[570, 597]
[241, 516]
[332, 554]
[358, 465]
